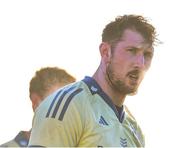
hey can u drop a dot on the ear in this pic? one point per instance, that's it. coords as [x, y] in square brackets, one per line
[105, 52]
[35, 99]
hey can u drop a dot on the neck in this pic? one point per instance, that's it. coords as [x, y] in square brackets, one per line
[116, 97]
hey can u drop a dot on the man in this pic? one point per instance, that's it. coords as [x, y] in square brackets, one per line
[45, 81]
[91, 112]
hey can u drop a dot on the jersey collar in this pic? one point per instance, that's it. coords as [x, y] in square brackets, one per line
[96, 89]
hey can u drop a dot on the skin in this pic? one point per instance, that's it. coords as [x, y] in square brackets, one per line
[36, 99]
[123, 68]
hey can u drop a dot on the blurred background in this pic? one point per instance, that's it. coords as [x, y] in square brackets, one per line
[36, 33]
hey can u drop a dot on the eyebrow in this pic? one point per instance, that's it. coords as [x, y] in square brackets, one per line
[148, 49]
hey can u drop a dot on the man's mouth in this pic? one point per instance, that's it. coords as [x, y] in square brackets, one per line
[134, 75]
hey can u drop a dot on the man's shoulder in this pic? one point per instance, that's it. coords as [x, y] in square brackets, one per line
[11, 143]
[68, 98]
[19, 141]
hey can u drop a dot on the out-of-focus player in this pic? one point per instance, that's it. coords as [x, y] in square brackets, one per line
[46, 81]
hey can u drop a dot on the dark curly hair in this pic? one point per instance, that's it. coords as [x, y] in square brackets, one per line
[113, 31]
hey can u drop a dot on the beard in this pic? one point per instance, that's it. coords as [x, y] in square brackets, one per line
[118, 84]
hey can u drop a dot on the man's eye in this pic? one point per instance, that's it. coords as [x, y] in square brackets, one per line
[148, 55]
[132, 50]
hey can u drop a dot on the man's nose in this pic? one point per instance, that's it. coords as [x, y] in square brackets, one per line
[139, 61]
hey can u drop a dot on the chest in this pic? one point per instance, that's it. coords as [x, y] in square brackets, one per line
[103, 129]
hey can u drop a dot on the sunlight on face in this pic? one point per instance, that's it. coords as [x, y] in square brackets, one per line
[130, 60]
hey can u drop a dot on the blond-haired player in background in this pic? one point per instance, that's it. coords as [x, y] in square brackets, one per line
[46, 81]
